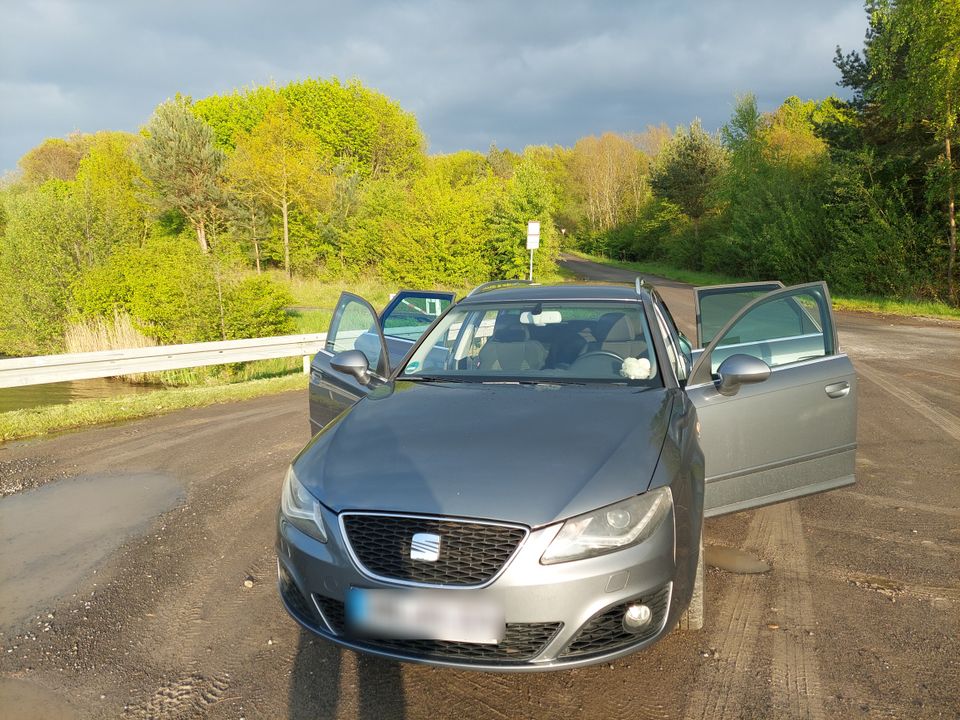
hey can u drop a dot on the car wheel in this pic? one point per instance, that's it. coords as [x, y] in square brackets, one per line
[692, 617]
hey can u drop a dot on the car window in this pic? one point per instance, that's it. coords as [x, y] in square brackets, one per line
[550, 341]
[786, 329]
[412, 315]
[354, 326]
[717, 304]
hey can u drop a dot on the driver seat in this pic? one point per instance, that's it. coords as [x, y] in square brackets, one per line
[621, 338]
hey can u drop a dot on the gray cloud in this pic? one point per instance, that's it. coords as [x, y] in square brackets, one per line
[474, 73]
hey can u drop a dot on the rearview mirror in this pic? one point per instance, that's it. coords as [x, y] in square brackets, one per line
[739, 370]
[354, 363]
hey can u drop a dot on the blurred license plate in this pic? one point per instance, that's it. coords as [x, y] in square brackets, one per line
[425, 615]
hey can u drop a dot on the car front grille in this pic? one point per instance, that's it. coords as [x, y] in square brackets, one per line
[604, 633]
[521, 643]
[471, 553]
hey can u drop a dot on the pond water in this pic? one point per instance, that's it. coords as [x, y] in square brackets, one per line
[33, 396]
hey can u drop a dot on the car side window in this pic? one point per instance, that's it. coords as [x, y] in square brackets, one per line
[354, 326]
[785, 329]
[412, 315]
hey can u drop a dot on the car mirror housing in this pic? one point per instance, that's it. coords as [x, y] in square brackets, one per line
[353, 363]
[739, 370]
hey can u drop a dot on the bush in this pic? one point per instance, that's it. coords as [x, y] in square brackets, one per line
[177, 295]
[256, 307]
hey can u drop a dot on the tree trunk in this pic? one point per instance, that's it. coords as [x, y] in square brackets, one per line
[286, 238]
[256, 242]
[216, 275]
[952, 214]
[202, 236]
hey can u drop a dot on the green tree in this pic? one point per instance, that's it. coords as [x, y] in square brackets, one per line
[686, 169]
[282, 164]
[527, 195]
[106, 183]
[183, 166]
[916, 63]
[357, 127]
[40, 258]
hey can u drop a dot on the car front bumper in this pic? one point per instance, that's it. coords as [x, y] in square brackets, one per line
[558, 616]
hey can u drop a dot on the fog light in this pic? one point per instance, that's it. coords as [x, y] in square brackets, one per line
[637, 618]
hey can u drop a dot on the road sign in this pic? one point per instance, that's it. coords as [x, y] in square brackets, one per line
[533, 235]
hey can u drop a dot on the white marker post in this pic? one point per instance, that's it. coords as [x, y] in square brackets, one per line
[533, 241]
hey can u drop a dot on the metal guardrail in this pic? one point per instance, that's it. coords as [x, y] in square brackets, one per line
[40, 369]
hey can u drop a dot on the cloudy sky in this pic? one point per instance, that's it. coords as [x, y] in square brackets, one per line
[475, 73]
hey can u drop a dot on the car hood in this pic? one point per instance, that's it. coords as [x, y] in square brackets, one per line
[531, 454]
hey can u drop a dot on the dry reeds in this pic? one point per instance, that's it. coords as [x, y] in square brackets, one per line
[102, 333]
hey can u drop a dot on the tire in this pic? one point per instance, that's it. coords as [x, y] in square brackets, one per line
[692, 617]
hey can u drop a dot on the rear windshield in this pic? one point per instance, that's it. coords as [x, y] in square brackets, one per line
[561, 341]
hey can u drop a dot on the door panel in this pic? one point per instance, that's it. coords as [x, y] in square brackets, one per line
[716, 304]
[354, 326]
[793, 434]
[407, 317]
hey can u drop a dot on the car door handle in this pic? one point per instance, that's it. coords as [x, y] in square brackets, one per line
[838, 390]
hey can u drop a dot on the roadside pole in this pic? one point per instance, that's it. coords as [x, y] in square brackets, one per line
[533, 241]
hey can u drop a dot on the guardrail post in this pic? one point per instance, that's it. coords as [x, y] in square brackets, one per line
[306, 364]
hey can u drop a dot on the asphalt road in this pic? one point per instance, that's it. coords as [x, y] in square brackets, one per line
[859, 616]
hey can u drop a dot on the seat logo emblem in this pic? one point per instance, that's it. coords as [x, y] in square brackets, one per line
[425, 546]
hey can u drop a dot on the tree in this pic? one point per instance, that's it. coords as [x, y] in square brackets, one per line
[528, 195]
[916, 62]
[180, 161]
[40, 258]
[282, 164]
[686, 169]
[612, 178]
[106, 185]
[359, 128]
[53, 159]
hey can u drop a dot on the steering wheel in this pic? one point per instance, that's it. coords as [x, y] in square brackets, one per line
[596, 353]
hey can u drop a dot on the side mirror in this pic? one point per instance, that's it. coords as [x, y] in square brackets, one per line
[352, 362]
[739, 370]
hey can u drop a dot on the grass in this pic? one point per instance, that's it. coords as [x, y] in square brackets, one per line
[869, 304]
[20, 424]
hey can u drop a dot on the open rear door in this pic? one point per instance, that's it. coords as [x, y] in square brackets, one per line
[354, 326]
[792, 434]
[407, 317]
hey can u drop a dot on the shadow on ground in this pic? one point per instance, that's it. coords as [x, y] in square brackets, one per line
[327, 681]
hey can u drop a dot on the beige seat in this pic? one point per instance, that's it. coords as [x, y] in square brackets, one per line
[511, 349]
[621, 336]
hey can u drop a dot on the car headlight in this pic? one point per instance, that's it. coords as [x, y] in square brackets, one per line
[300, 508]
[610, 528]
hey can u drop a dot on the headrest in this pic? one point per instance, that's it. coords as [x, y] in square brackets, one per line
[509, 329]
[616, 327]
[510, 335]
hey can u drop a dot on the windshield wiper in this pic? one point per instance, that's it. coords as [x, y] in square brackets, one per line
[434, 378]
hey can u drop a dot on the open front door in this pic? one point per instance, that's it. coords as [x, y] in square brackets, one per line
[354, 326]
[792, 434]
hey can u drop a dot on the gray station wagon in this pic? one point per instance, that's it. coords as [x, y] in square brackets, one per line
[518, 481]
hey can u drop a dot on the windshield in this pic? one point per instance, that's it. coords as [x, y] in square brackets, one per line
[560, 341]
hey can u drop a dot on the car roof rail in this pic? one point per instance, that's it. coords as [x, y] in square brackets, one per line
[498, 283]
